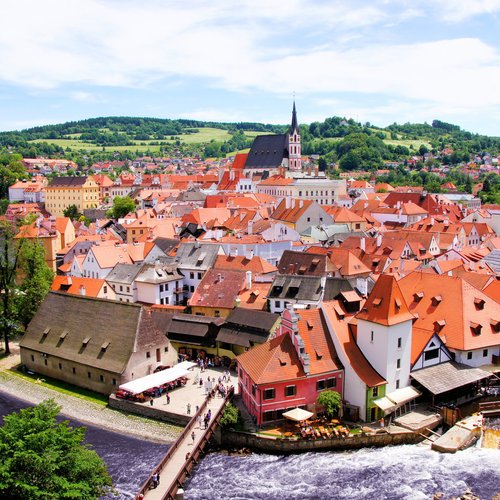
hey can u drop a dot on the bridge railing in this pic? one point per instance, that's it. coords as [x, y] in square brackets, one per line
[194, 455]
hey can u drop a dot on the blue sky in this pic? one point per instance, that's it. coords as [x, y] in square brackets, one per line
[381, 61]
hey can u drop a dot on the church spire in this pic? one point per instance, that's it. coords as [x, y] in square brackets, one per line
[295, 125]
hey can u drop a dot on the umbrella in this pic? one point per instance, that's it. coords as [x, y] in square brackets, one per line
[298, 414]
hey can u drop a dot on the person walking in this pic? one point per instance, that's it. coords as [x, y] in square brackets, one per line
[168, 398]
[189, 408]
[193, 437]
[199, 421]
[151, 401]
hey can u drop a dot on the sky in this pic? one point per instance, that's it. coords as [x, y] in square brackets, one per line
[377, 61]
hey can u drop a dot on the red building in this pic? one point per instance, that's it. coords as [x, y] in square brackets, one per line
[290, 370]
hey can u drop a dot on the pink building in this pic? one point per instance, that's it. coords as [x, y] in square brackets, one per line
[290, 370]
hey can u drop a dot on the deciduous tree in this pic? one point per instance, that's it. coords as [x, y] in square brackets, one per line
[44, 459]
[331, 402]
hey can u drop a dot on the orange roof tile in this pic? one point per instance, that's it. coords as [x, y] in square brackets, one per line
[386, 304]
[72, 285]
[358, 361]
[240, 263]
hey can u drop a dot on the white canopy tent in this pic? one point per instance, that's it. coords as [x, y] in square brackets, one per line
[394, 400]
[298, 414]
[155, 379]
[187, 365]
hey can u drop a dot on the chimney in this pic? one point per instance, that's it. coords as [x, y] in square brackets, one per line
[301, 203]
[248, 281]
[219, 277]
[250, 227]
[288, 202]
[362, 244]
[231, 175]
[379, 240]
[83, 290]
[293, 202]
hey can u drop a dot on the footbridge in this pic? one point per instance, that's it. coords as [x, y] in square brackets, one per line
[184, 453]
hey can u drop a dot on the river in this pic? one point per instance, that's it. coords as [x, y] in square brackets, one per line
[129, 460]
[399, 472]
[408, 472]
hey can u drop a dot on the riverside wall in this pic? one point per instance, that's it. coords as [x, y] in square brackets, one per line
[268, 444]
[148, 411]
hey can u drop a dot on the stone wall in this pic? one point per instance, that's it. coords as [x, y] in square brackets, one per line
[147, 411]
[268, 444]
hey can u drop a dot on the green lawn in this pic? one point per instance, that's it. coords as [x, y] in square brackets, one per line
[62, 387]
[408, 142]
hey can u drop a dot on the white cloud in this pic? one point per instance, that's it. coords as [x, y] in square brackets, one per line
[314, 47]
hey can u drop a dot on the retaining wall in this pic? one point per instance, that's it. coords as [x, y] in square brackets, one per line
[268, 444]
[148, 411]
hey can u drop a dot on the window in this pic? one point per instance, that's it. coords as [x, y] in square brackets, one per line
[254, 390]
[277, 303]
[165, 349]
[32, 358]
[89, 375]
[268, 416]
[161, 289]
[269, 394]
[485, 353]
[432, 354]
[400, 342]
[398, 364]
[200, 275]
[73, 370]
[375, 392]
[121, 288]
[397, 384]
[469, 355]
[309, 219]
[60, 366]
[128, 289]
[191, 276]
[331, 382]
[191, 288]
[101, 378]
[290, 390]
[114, 381]
[371, 336]
[148, 354]
[320, 385]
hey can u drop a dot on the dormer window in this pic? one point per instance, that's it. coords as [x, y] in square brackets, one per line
[476, 328]
[479, 303]
[85, 341]
[377, 301]
[310, 325]
[495, 325]
[397, 303]
[418, 296]
[439, 325]
[436, 300]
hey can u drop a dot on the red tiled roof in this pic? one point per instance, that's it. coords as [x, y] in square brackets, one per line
[386, 304]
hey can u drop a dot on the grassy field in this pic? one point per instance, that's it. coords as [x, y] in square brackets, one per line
[63, 387]
[205, 135]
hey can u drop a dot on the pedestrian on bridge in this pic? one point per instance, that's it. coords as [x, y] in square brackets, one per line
[193, 437]
[189, 408]
[168, 398]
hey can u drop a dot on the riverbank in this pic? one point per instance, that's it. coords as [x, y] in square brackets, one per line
[85, 411]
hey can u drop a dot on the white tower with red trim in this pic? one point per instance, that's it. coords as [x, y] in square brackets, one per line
[294, 149]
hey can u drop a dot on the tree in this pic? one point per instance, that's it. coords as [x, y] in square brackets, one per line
[230, 417]
[72, 212]
[121, 207]
[331, 402]
[36, 283]
[11, 169]
[10, 253]
[468, 185]
[44, 459]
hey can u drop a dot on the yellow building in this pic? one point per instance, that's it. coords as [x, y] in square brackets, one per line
[62, 192]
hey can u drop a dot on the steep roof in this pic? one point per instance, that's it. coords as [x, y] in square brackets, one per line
[67, 182]
[463, 316]
[357, 360]
[293, 212]
[267, 151]
[385, 304]
[274, 361]
[218, 288]
[77, 328]
[72, 285]
[303, 263]
[317, 342]
[257, 265]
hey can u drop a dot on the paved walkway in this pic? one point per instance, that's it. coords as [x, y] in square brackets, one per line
[178, 458]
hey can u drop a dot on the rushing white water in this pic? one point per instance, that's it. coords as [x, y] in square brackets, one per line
[399, 472]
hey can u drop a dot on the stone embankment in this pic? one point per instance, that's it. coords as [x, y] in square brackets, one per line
[83, 410]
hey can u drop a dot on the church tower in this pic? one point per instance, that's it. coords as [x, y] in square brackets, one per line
[294, 153]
